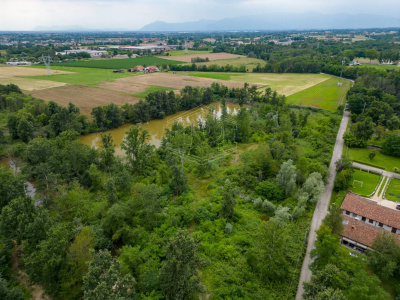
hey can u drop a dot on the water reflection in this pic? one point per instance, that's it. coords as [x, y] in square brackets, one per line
[156, 128]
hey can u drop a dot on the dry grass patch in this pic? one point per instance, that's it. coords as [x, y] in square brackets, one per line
[211, 56]
[175, 81]
[123, 86]
[84, 97]
[28, 84]
[7, 72]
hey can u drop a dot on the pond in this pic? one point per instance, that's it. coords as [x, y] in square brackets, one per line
[156, 128]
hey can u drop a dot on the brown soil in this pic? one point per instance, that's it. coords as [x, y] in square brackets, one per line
[211, 56]
[84, 97]
[175, 81]
[122, 86]
[36, 290]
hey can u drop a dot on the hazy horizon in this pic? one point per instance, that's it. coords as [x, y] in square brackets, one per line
[27, 15]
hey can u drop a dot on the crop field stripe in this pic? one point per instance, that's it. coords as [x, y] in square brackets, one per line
[118, 63]
[326, 95]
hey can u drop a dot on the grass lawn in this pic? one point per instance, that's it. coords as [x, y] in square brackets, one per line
[285, 84]
[124, 63]
[152, 89]
[250, 63]
[326, 95]
[190, 52]
[380, 160]
[83, 75]
[369, 182]
[393, 190]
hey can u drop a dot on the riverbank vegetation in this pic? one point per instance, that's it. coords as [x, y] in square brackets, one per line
[236, 193]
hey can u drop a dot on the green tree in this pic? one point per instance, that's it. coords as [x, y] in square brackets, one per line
[179, 275]
[384, 260]
[371, 155]
[9, 293]
[365, 287]
[330, 279]
[286, 177]
[391, 144]
[334, 220]
[326, 248]
[365, 129]
[228, 200]
[108, 150]
[138, 151]
[105, 280]
[10, 187]
[372, 54]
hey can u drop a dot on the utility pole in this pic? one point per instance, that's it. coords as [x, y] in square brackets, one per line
[341, 73]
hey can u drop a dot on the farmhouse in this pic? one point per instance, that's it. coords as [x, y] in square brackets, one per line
[152, 69]
[137, 69]
[363, 219]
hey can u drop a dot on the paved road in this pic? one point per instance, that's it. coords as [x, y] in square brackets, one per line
[380, 171]
[321, 209]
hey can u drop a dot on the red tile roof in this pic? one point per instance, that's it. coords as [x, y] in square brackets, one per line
[362, 232]
[371, 210]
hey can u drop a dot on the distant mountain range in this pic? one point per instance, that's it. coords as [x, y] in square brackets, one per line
[281, 21]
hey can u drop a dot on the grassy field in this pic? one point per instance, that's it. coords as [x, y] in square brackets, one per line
[190, 52]
[286, 84]
[119, 63]
[393, 191]
[380, 160]
[250, 63]
[152, 89]
[326, 95]
[369, 182]
[380, 67]
[83, 75]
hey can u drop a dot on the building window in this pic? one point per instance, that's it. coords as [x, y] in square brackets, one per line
[394, 230]
[380, 224]
[364, 219]
[371, 221]
[347, 213]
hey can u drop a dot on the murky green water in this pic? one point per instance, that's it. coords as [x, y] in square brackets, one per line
[156, 128]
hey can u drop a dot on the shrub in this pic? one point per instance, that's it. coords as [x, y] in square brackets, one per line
[202, 214]
[228, 228]
[268, 207]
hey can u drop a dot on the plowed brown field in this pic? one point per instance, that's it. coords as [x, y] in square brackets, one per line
[84, 97]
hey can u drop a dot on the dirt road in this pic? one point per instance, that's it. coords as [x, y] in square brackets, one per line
[321, 209]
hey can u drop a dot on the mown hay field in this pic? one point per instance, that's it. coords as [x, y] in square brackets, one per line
[174, 81]
[28, 84]
[285, 84]
[326, 94]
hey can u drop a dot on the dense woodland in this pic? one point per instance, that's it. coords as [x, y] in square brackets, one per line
[154, 224]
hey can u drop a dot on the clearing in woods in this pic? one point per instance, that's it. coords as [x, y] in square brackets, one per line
[84, 97]
[326, 95]
[286, 84]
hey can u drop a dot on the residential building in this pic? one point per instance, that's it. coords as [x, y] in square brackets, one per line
[152, 69]
[363, 219]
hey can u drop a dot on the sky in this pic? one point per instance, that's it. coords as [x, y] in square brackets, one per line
[134, 14]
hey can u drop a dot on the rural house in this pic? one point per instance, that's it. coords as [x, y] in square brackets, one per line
[152, 69]
[363, 219]
[136, 69]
